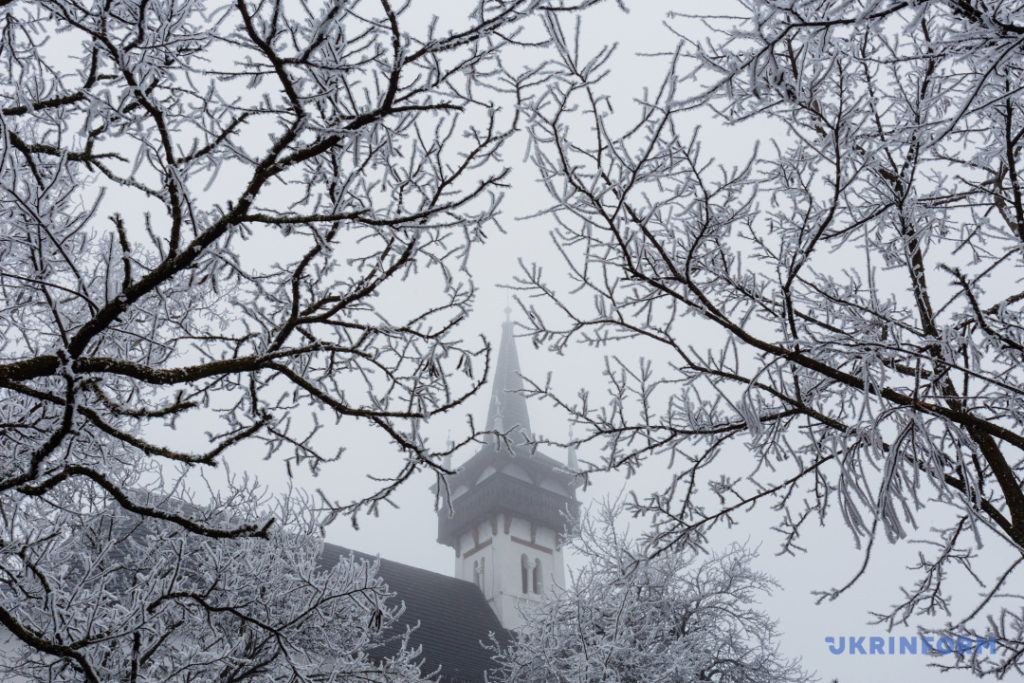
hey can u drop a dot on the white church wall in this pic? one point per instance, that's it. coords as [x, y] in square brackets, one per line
[493, 559]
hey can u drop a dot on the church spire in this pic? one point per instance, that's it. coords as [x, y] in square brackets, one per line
[504, 516]
[507, 411]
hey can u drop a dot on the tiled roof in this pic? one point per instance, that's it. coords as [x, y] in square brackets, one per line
[455, 621]
[452, 618]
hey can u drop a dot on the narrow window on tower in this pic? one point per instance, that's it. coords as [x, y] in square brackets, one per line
[483, 573]
[476, 572]
[525, 564]
[537, 580]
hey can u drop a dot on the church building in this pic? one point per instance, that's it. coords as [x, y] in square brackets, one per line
[503, 514]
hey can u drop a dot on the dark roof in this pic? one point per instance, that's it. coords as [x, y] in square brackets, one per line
[537, 466]
[453, 617]
[501, 493]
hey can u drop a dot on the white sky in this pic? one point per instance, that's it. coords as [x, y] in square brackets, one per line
[407, 533]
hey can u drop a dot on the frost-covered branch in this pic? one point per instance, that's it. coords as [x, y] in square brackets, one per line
[833, 323]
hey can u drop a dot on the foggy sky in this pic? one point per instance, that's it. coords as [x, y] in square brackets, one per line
[408, 533]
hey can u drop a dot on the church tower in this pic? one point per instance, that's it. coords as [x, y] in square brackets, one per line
[508, 504]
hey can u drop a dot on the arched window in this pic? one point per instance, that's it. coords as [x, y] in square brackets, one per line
[537, 580]
[526, 572]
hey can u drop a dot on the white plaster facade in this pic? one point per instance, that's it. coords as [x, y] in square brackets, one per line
[504, 556]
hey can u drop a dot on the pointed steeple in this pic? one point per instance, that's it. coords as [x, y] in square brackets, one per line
[507, 411]
[509, 506]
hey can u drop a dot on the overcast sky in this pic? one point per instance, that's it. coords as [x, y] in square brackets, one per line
[408, 533]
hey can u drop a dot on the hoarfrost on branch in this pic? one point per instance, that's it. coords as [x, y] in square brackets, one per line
[837, 318]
